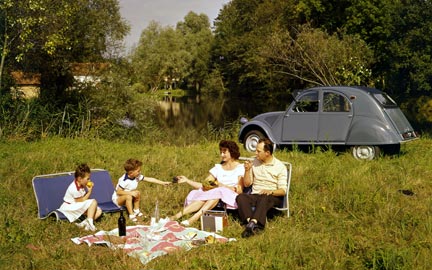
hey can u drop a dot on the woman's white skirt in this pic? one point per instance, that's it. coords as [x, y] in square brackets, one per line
[225, 194]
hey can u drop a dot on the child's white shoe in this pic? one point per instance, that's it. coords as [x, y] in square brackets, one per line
[164, 220]
[185, 223]
[133, 218]
[90, 227]
[138, 213]
[82, 224]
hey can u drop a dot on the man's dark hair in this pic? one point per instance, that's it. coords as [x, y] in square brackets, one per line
[268, 145]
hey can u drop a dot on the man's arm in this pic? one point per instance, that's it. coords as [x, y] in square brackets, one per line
[247, 179]
[282, 182]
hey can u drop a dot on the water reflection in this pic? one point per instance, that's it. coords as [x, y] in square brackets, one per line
[197, 111]
[191, 112]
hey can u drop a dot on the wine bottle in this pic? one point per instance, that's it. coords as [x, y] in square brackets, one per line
[121, 224]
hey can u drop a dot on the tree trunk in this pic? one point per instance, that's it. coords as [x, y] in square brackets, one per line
[3, 57]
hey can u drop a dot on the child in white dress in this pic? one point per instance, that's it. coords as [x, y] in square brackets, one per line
[126, 192]
[76, 200]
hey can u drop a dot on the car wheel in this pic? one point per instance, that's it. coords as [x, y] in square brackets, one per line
[251, 140]
[365, 152]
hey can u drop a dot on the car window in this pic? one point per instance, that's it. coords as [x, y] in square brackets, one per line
[334, 102]
[385, 100]
[307, 103]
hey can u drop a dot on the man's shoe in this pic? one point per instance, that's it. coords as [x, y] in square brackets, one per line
[251, 225]
[258, 229]
[246, 233]
[251, 229]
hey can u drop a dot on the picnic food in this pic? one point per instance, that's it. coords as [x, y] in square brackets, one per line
[210, 184]
[210, 239]
[89, 184]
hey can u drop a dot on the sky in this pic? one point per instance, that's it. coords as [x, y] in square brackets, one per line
[139, 13]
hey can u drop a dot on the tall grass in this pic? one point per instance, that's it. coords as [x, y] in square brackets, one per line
[99, 116]
[345, 214]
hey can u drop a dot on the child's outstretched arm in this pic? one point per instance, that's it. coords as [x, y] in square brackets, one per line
[156, 181]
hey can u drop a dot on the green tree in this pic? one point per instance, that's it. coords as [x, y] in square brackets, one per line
[43, 37]
[407, 69]
[160, 56]
[240, 31]
[167, 56]
[318, 58]
[399, 33]
[198, 39]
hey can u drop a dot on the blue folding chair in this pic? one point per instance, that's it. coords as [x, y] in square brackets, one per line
[50, 189]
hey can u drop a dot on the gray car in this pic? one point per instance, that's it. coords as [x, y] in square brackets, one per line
[366, 120]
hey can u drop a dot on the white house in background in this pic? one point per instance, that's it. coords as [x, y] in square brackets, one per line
[28, 84]
[88, 72]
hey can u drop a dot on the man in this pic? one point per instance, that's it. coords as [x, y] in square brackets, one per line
[268, 177]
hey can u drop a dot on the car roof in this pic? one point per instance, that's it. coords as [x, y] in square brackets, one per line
[346, 89]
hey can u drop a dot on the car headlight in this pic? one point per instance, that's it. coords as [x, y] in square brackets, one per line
[243, 120]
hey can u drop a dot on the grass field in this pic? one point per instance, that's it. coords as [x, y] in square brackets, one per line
[345, 214]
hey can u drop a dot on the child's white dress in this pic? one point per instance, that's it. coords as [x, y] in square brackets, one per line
[70, 208]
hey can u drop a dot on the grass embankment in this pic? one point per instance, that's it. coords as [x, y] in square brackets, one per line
[345, 214]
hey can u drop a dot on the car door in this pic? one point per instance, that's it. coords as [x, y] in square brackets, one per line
[300, 123]
[335, 118]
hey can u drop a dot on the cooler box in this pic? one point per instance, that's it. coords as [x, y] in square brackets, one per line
[214, 221]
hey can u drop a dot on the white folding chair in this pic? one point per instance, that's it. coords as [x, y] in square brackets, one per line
[285, 203]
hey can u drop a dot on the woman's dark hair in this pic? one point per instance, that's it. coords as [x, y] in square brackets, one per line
[82, 170]
[268, 145]
[232, 148]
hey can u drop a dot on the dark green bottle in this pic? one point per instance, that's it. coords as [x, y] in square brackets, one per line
[122, 225]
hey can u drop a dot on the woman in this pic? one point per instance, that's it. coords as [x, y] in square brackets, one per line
[227, 179]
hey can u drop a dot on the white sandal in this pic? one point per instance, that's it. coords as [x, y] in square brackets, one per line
[185, 223]
[138, 214]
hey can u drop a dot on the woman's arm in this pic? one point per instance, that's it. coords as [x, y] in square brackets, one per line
[194, 184]
[239, 186]
[236, 188]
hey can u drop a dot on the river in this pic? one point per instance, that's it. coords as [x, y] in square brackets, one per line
[198, 112]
